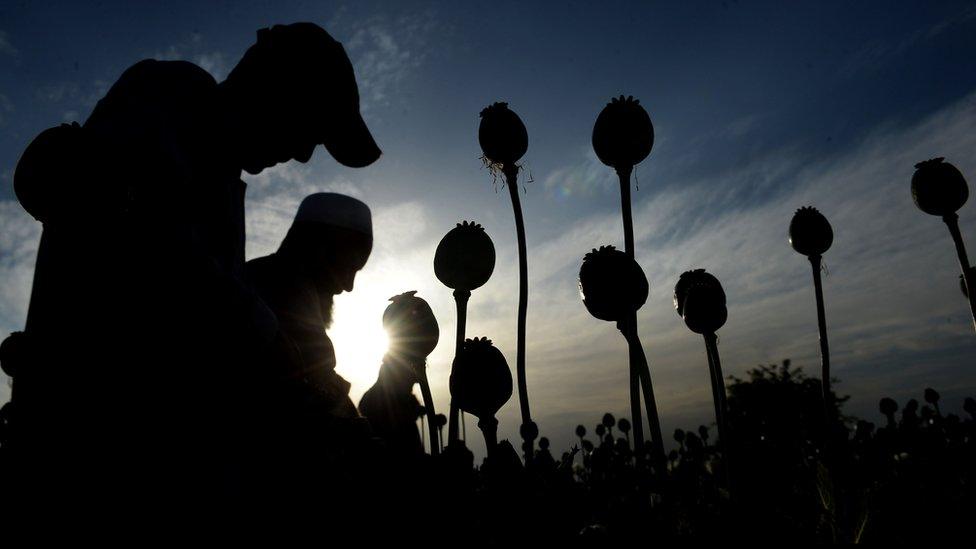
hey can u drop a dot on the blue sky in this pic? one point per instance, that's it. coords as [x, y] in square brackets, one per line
[758, 107]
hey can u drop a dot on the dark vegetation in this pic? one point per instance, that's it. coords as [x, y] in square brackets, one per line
[792, 477]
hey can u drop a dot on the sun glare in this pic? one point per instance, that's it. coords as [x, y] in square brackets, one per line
[359, 338]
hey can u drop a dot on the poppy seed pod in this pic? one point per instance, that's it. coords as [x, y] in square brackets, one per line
[700, 301]
[502, 135]
[465, 257]
[887, 406]
[480, 382]
[608, 420]
[624, 425]
[411, 325]
[931, 395]
[623, 134]
[810, 232]
[580, 431]
[47, 175]
[612, 285]
[938, 187]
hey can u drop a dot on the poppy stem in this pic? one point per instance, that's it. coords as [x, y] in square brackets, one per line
[815, 262]
[638, 362]
[489, 428]
[640, 373]
[952, 221]
[429, 405]
[721, 408]
[461, 299]
[528, 438]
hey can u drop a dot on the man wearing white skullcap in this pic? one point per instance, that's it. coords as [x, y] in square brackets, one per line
[311, 420]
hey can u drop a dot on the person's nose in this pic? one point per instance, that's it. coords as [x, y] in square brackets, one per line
[348, 280]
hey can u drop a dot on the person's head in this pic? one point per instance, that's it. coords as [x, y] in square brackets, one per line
[331, 238]
[293, 90]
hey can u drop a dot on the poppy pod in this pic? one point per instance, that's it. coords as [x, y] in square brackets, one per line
[502, 135]
[411, 325]
[481, 382]
[623, 134]
[938, 187]
[810, 232]
[624, 425]
[612, 285]
[700, 300]
[888, 406]
[465, 257]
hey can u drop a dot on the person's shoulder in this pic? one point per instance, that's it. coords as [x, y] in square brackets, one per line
[259, 266]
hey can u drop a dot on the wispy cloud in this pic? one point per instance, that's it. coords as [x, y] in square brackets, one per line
[386, 52]
[194, 49]
[875, 53]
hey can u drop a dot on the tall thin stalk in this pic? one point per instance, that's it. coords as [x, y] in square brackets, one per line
[721, 408]
[421, 370]
[511, 179]
[815, 263]
[640, 372]
[461, 300]
[952, 222]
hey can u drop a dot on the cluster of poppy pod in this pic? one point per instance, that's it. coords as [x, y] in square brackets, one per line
[612, 284]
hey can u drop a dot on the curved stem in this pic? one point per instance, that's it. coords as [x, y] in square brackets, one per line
[718, 386]
[639, 365]
[429, 405]
[461, 299]
[640, 373]
[815, 261]
[721, 408]
[952, 221]
[511, 179]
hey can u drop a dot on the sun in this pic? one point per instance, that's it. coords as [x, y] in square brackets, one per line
[359, 338]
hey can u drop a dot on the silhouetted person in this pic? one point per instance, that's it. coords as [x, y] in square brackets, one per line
[392, 409]
[318, 454]
[145, 334]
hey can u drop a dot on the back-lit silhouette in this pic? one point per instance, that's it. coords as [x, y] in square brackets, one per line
[480, 384]
[613, 287]
[700, 300]
[939, 188]
[138, 299]
[504, 141]
[622, 138]
[413, 333]
[463, 261]
[811, 235]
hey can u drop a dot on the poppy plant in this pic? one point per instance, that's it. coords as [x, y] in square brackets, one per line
[613, 287]
[464, 261]
[623, 136]
[811, 235]
[504, 140]
[938, 188]
[413, 333]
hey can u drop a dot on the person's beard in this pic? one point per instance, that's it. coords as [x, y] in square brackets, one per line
[326, 307]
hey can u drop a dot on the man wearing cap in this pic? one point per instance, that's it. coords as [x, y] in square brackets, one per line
[310, 424]
[139, 301]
